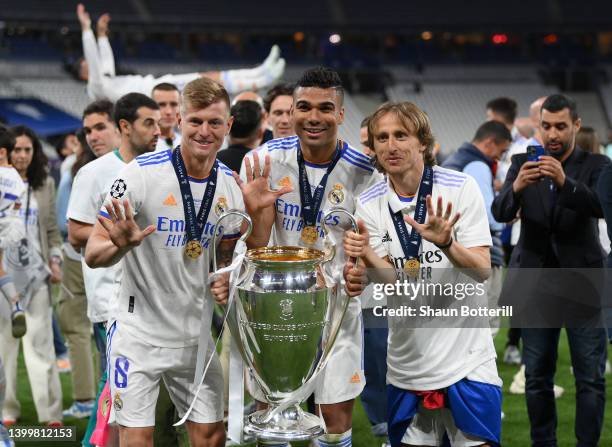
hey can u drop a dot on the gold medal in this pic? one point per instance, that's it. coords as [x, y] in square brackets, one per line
[309, 235]
[193, 249]
[412, 267]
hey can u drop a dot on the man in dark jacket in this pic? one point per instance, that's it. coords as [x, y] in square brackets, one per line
[559, 210]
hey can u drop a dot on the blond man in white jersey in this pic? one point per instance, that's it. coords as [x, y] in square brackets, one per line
[442, 380]
[151, 222]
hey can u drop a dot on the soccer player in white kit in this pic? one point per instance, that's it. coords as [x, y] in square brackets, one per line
[149, 221]
[441, 380]
[337, 174]
[98, 68]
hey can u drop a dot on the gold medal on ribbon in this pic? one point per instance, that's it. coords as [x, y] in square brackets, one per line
[309, 235]
[193, 249]
[412, 267]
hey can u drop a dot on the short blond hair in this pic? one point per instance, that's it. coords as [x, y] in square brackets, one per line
[202, 92]
[414, 119]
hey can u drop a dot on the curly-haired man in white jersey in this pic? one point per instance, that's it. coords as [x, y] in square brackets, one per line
[442, 381]
[159, 218]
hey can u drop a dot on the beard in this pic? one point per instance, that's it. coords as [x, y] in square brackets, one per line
[565, 146]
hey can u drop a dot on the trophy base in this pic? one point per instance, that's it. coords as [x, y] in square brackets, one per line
[292, 424]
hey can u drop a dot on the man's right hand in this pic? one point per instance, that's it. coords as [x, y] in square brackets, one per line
[256, 191]
[527, 175]
[122, 229]
[83, 16]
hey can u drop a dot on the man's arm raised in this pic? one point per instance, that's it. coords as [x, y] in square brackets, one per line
[114, 236]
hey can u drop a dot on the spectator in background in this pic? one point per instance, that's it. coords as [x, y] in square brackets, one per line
[98, 68]
[504, 110]
[278, 103]
[252, 96]
[363, 137]
[559, 208]
[167, 97]
[245, 133]
[33, 264]
[101, 132]
[588, 141]
[72, 301]
[478, 159]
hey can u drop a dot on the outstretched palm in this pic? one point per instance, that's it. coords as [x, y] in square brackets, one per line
[256, 191]
[83, 17]
[123, 230]
[439, 228]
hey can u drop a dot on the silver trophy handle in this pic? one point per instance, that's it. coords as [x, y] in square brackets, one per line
[213, 248]
[338, 210]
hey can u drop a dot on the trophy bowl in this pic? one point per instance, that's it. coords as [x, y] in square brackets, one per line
[285, 318]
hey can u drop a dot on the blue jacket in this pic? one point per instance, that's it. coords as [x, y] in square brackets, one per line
[465, 155]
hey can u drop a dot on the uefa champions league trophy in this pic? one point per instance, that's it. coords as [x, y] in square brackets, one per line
[285, 318]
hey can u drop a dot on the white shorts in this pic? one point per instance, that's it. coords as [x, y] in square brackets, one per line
[135, 368]
[342, 378]
[428, 426]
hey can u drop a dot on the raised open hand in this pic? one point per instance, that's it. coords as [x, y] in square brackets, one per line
[102, 25]
[123, 230]
[83, 16]
[256, 190]
[439, 228]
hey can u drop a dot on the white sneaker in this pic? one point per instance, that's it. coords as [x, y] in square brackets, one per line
[518, 382]
[512, 355]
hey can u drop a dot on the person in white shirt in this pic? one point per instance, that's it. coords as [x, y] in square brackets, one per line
[431, 369]
[98, 68]
[335, 174]
[137, 116]
[149, 223]
[167, 97]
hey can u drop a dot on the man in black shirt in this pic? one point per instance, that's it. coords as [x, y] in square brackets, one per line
[245, 134]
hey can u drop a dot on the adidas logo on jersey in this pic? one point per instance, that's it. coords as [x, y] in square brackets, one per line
[386, 237]
[170, 200]
[355, 378]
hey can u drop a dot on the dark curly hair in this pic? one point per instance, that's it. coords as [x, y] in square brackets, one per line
[322, 77]
[37, 171]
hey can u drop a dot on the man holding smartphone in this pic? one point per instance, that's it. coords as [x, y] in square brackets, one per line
[559, 209]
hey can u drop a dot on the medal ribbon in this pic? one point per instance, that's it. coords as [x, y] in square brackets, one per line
[312, 204]
[411, 243]
[194, 225]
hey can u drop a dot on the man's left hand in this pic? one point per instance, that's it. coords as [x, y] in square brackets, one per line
[355, 278]
[56, 272]
[552, 168]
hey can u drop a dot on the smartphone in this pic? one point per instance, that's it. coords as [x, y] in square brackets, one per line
[535, 152]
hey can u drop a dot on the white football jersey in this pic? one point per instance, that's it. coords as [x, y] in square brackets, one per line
[89, 189]
[430, 358]
[351, 176]
[12, 191]
[162, 292]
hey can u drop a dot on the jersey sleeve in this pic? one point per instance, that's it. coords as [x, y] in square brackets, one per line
[95, 88]
[369, 215]
[107, 60]
[472, 228]
[130, 184]
[84, 203]
[234, 223]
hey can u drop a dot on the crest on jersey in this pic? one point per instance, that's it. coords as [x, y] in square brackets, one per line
[221, 206]
[285, 181]
[336, 195]
[118, 189]
[286, 306]
[117, 402]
